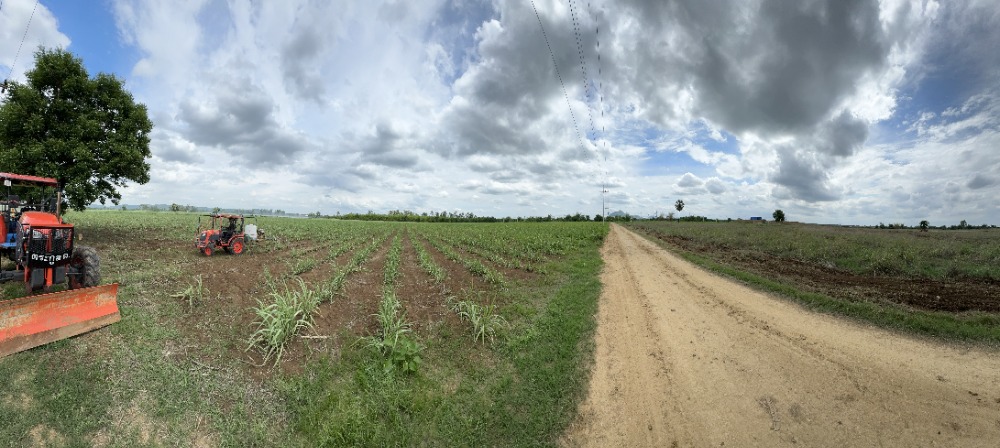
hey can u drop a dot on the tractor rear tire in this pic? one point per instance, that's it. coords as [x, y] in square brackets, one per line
[236, 247]
[88, 266]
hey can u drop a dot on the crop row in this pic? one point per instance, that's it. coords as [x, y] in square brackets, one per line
[473, 265]
[291, 310]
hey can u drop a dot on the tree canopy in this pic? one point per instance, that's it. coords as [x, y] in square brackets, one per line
[679, 205]
[88, 133]
[778, 215]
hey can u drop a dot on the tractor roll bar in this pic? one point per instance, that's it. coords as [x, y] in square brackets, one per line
[22, 179]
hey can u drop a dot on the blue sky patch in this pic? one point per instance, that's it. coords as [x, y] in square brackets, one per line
[93, 37]
[663, 156]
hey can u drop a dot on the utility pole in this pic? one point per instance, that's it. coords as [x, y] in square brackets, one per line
[604, 203]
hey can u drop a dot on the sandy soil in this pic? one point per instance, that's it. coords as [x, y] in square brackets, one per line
[687, 358]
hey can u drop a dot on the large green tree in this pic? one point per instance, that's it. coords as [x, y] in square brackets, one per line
[778, 215]
[89, 133]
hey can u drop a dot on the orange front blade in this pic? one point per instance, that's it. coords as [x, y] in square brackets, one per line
[37, 320]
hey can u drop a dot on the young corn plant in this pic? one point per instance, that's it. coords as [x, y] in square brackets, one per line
[304, 265]
[337, 282]
[428, 264]
[269, 281]
[359, 259]
[337, 251]
[474, 266]
[400, 352]
[391, 270]
[195, 293]
[290, 312]
[485, 320]
[392, 342]
[391, 322]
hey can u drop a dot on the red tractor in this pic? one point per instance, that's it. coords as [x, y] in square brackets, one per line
[225, 232]
[40, 245]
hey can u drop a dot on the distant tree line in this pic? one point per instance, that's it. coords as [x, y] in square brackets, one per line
[692, 218]
[175, 207]
[445, 216]
[924, 225]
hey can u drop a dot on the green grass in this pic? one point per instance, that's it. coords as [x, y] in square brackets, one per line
[42, 397]
[550, 359]
[121, 387]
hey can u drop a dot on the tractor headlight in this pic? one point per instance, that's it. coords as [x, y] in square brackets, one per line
[36, 234]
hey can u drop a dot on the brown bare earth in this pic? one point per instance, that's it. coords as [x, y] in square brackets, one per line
[687, 358]
[222, 322]
[952, 295]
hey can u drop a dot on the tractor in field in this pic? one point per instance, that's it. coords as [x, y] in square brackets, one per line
[227, 232]
[40, 246]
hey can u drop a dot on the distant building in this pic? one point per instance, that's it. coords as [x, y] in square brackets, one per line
[756, 218]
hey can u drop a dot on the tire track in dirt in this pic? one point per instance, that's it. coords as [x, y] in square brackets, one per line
[687, 358]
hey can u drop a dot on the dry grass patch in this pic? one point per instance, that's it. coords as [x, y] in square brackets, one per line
[42, 436]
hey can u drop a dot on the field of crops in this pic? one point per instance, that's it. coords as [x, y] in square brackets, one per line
[328, 332]
[936, 254]
[941, 282]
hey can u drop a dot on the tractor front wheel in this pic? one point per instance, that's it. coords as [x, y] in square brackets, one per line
[207, 250]
[84, 268]
[236, 247]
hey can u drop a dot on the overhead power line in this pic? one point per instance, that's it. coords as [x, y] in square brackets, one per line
[574, 12]
[555, 64]
[588, 87]
[23, 37]
[600, 104]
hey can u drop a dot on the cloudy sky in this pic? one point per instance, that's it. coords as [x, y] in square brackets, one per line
[836, 111]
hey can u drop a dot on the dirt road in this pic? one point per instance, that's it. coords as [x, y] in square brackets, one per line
[687, 358]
